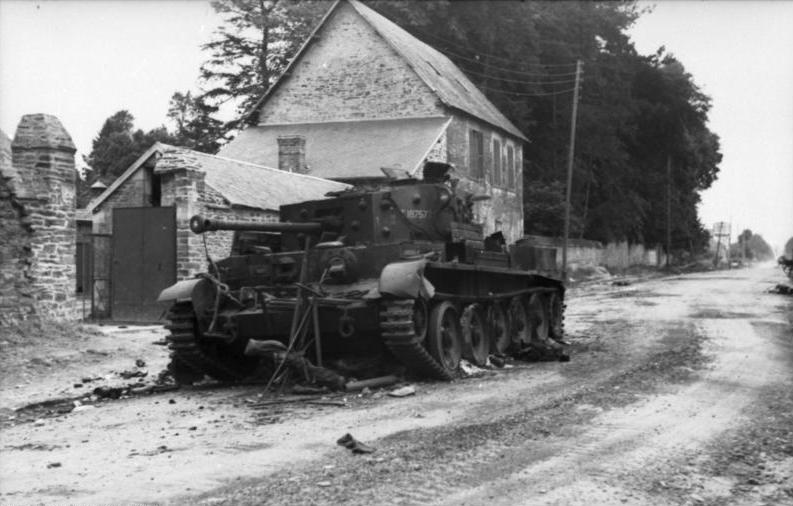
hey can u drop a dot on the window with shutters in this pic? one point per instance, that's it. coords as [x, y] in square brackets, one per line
[496, 162]
[476, 147]
[510, 168]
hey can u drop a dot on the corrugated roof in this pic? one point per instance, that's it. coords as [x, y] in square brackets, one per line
[241, 183]
[345, 149]
[438, 72]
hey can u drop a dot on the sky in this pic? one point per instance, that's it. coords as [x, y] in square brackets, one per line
[85, 60]
[740, 53]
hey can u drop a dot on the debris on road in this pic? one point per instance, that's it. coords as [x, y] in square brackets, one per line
[137, 373]
[108, 392]
[403, 391]
[497, 361]
[354, 445]
[782, 289]
[381, 381]
[470, 370]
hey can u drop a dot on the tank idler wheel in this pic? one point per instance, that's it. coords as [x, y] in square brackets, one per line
[538, 317]
[498, 328]
[519, 326]
[444, 337]
[476, 341]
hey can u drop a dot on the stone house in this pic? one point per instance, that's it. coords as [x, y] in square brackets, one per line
[37, 222]
[362, 94]
[140, 224]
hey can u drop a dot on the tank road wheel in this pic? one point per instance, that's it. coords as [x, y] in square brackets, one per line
[403, 327]
[556, 316]
[444, 338]
[498, 328]
[518, 317]
[538, 317]
[476, 341]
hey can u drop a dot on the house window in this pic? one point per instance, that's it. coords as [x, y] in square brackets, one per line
[510, 168]
[496, 162]
[476, 147]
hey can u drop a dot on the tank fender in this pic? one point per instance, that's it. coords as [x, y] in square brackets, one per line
[181, 290]
[405, 280]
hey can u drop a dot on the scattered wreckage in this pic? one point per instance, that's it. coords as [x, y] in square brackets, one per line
[399, 273]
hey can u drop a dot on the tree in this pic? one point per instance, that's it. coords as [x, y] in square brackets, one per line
[253, 46]
[114, 149]
[754, 245]
[195, 128]
[632, 112]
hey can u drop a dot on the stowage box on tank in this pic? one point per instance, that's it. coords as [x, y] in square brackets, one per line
[401, 271]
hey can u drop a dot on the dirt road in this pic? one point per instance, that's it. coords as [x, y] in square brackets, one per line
[679, 391]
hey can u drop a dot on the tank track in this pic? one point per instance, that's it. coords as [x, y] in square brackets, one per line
[399, 336]
[186, 350]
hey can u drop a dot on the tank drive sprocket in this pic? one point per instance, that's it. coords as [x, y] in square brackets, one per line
[398, 326]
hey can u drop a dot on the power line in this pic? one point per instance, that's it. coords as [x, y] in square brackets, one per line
[505, 69]
[516, 81]
[521, 94]
[509, 60]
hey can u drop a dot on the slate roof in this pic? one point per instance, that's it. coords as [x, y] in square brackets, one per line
[345, 149]
[240, 183]
[438, 72]
[446, 80]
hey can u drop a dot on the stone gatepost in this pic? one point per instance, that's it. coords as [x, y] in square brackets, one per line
[43, 158]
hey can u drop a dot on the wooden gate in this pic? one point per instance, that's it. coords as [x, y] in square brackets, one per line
[143, 262]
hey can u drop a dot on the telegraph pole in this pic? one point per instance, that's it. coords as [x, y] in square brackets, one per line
[571, 154]
[668, 209]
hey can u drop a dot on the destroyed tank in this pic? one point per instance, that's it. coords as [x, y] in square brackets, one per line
[399, 271]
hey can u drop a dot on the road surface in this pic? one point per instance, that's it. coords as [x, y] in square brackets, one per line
[679, 391]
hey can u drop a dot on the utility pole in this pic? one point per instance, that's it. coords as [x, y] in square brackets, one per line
[571, 154]
[668, 209]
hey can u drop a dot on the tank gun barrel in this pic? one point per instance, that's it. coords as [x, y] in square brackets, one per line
[199, 225]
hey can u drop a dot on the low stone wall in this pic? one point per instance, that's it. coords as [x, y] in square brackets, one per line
[614, 256]
[37, 222]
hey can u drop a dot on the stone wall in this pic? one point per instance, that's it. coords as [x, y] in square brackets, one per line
[350, 72]
[16, 257]
[616, 256]
[38, 223]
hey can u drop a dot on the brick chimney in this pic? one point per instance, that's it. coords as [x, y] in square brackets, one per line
[292, 153]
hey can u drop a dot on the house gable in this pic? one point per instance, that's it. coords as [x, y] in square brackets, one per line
[348, 72]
